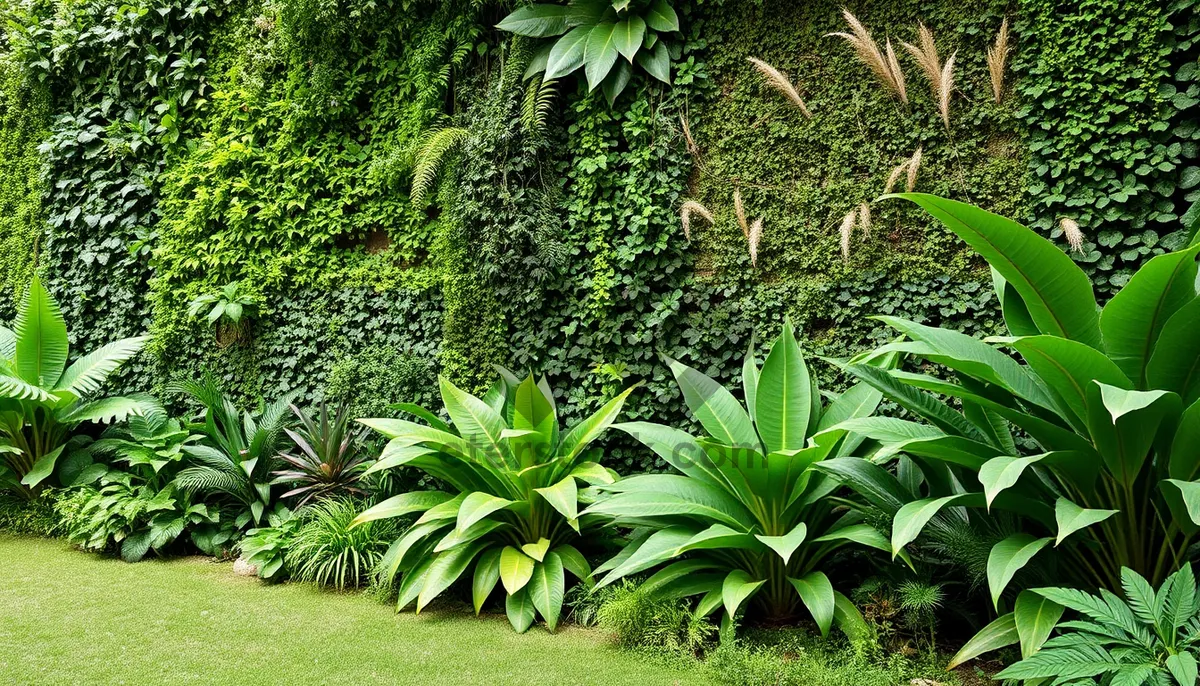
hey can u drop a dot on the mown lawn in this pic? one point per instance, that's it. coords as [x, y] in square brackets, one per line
[68, 617]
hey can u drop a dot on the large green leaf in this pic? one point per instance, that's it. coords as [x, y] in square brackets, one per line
[537, 20]
[1012, 307]
[516, 568]
[574, 562]
[564, 497]
[1070, 367]
[400, 505]
[850, 620]
[105, 411]
[783, 398]
[445, 570]
[1132, 321]
[664, 580]
[600, 53]
[629, 35]
[869, 480]
[8, 345]
[1056, 292]
[19, 389]
[588, 430]
[1175, 363]
[817, 593]
[722, 416]
[533, 412]
[43, 468]
[546, 589]
[1188, 495]
[912, 518]
[520, 610]
[1007, 558]
[1124, 426]
[478, 505]
[1071, 518]
[1185, 459]
[41, 333]
[1000, 633]
[736, 589]
[567, 55]
[719, 536]
[677, 448]
[658, 547]
[1035, 617]
[86, 374]
[477, 423]
[661, 16]
[914, 400]
[657, 62]
[1000, 473]
[487, 575]
[652, 495]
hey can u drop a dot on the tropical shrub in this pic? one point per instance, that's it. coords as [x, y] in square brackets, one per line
[514, 514]
[42, 398]
[1091, 442]
[326, 550]
[266, 547]
[231, 309]
[330, 460]
[24, 517]
[237, 453]
[150, 444]
[747, 518]
[604, 38]
[132, 515]
[1145, 638]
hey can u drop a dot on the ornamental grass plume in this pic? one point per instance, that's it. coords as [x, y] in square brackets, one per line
[753, 238]
[893, 177]
[864, 218]
[740, 210]
[941, 76]
[897, 73]
[845, 231]
[914, 165]
[868, 51]
[1073, 234]
[780, 82]
[693, 149]
[997, 58]
[945, 88]
[686, 211]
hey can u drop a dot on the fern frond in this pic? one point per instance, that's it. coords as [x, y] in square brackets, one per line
[208, 480]
[539, 101]
[437, 147]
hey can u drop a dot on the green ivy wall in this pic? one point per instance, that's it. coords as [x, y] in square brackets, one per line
[156, 150]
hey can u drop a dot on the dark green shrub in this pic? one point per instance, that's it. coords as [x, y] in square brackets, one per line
[641, 620]
[29, 517]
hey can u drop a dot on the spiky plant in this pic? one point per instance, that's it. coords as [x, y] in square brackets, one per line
[329, 459]
[326, 550]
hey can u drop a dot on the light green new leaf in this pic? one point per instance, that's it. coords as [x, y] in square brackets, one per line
[1188, 493]
[1072, 518]
[1001, 473]
[477, 423]
[786, 545]
[41, 338]
[516, 568]
[445, 570]
[817, 593]
[783, 397]
[546, 589]
[537, 550]
[750, 380]
[567, 55]
[1124, 426]
[564, 497]
[736, 588]
[913, 517]
[1057, 293]
[1000, 633]
[600, 53]
[43, 468]
[1035, 617]
[1007, 558]
[487, 575]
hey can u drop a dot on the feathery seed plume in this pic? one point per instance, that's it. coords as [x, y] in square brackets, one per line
[846, 229]
[997, 58]
[945, 88]
[1073, 233]
[781, 83]
[897, 73]
[864, 219]
[868, 51]
[740, 209]
[894, 177]
[914, 165]
[755, 235]
[686, 211]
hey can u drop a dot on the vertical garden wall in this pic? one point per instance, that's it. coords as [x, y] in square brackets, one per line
[155, 151]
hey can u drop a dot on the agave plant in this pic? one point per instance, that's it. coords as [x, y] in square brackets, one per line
[604, 37]
[747, 518]
[514, 514]
[1091, 441]
[330, 461]
[42, 398]
[1148, 638]
[237, 452]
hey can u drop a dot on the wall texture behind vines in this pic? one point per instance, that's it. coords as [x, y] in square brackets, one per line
[188, 145]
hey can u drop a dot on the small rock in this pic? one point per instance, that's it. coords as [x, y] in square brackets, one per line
[925, 682]
[243, 568]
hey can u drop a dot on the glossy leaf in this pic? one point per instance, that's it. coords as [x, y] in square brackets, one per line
[1001, 632]
[1071, 518]
[1007, 558]
[546, 589]
[516, 568]
[817, 593]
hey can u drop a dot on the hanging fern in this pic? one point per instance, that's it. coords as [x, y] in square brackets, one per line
[437, 146]
[535, 110]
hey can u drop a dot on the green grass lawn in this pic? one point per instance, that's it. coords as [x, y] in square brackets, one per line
[68, 617]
